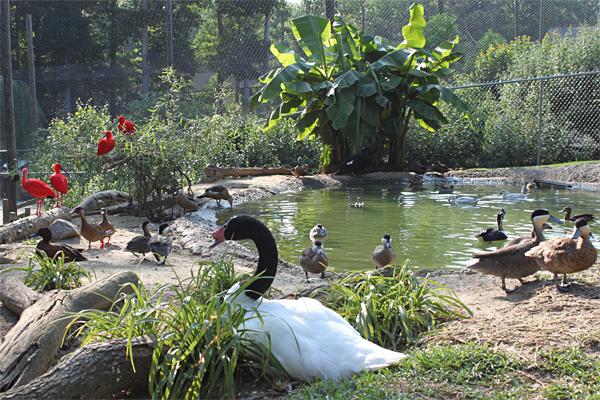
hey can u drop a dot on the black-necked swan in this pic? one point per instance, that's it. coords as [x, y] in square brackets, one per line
[308, 339]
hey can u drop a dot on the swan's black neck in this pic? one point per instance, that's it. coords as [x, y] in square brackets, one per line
[499, 221]
[267, 261]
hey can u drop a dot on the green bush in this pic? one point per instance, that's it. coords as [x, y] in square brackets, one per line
[393, 311]
[44, 273]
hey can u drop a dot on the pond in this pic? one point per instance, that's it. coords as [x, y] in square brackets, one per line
[424, 227]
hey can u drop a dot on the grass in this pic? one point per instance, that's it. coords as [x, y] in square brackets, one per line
[44, 273]
[565, 164]
[201, 346]
[470, 371]
[394, 311]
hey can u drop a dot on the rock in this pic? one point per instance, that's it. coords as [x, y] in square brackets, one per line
[62, 229]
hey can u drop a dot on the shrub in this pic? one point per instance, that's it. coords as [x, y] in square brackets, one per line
[44, 273]
[393, 311]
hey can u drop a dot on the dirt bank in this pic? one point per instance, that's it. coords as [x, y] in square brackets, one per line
[585, 175]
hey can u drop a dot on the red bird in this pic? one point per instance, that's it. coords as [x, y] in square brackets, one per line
[106, 144]
[126, 126]
[59, 182]
[38, 189]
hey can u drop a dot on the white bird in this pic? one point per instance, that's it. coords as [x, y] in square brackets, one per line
[318, 232]
[358, 203]
[309, 340]
[462, 200]
[512, 196]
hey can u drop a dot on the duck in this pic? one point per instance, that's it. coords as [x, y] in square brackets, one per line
[528, 187]
[566, 255]
[318, 232]
[140, 243]
[512, 196]
[491, 234]
[300, 169]
[446, 189]
[462, 200]
[91, 232]
[161, 245]
[439, 167]
[218, 193]
[54, 250]
[309, 340]
[314, 260]
[417, 167]
[106, 225]
[185, 201]
[510, 261]
[569, 217]
[383, 254]
[357, 203]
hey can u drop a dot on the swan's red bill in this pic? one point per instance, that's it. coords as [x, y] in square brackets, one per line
[218, 236]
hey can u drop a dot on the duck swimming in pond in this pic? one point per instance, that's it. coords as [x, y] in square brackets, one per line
[573, 218]
[462, 200]
[309, 340]
[512, 196]
[358, 203]
[491, 234]
[566, 255]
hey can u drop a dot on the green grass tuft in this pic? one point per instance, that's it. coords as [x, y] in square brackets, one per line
[44, 273]
[394, 311]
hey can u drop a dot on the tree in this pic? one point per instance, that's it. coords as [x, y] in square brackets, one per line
[352, 90]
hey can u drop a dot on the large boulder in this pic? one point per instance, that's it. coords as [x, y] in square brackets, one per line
[62, 229]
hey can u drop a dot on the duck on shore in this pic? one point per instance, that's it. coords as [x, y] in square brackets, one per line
[218, 193]
[106, 225]
[161, 245]
[383, 254]
[54, 250]
[140, 244]
[314, 260]
[91, 232]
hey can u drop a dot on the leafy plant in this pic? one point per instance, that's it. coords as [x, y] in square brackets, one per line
[352, 90]
[394, 311]
[44, 273]
[201, 342]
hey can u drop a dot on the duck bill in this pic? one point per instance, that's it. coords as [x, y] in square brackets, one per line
[67, 173]
[576, 234]
[555, 220]
[218, 236]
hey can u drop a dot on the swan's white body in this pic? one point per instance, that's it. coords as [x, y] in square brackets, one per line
[463, 200]
[310, 340]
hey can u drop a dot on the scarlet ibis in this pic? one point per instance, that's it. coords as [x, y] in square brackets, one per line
[126, 126]
[59, 182]
[36, 188]
[106, 144]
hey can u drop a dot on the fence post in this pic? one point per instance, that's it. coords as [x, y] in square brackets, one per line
[32, 83]
[539, 120]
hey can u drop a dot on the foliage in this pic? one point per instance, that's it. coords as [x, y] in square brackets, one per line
[200, 341]
[353, 90]
[44, 273]
[393, 311]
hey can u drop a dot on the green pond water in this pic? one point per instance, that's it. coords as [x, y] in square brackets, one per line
[424, 227]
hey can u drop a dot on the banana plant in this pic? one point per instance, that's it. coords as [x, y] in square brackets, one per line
[353, 90]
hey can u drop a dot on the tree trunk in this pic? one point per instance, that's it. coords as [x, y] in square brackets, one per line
[31, 345]
[96, 371]
[103, 199]
[14, 294]
[24, 227]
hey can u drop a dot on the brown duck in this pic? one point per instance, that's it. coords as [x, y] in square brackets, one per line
[91, 232]
[510, 261]
[531, 237]
[106, 225]
[566, 255]
[185, 201]
[314, 260]
[383, 254]
[54, 250]
[569, 217]
[218, 193]
[300, 169]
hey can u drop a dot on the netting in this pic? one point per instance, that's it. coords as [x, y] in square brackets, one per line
[95, 52]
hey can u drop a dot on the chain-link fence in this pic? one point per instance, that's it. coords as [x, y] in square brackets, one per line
[112, 53]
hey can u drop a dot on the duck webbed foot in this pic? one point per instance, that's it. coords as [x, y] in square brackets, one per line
[563, 287]
[506, 290]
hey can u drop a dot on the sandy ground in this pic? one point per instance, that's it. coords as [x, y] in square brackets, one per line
[535, 316]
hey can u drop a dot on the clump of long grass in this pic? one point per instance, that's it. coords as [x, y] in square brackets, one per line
[44, 273]
[394, 311]
[201, 343]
